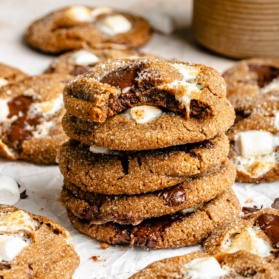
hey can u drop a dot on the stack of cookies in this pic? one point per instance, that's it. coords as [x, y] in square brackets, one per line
[146, 164]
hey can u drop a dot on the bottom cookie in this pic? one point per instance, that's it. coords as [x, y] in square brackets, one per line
[199, 265]
[32, 246]
[176, 230]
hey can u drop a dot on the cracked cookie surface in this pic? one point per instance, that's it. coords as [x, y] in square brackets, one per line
[138, 172]
[146, 104]
[133, 209]
[30, 118]
[36, 247]
[79, 26]
[169, 231]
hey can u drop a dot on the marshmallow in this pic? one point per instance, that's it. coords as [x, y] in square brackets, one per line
[253, 143]
[100, 11]
[204, 268]
[161, 22]
[273, 86]
[4, 110]
[10, 247]
[143, 114]
[276, 120]
[83, 57]
[9, 191]
[3, 82]
[99, 149]
[249, 241]
[114, 24]
[79, 13]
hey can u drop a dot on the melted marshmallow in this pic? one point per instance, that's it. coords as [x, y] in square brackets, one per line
[143, 114]
[4, 110]
[79, 13]
[273, 86]
[83, 57]
[204, 268]
[3, 82]
[9, 191]
[247, 240]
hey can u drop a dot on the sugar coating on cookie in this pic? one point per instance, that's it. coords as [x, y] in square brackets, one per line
[30, 242]
[30, 118]
[81, 26]
[10, 75]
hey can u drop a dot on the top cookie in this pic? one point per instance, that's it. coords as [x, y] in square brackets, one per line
[252, 82]
[33, 246]
[75, 27]
[10, 75]
[121, 101]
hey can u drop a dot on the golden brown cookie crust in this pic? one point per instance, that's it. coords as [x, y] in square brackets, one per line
[59, 32]
[50, 255]
[134, 209]
[10, 75]
[139, 172]
[169, 231]
[31, 127]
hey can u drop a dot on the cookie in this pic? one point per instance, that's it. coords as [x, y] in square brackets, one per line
[176, 230]
[146, 104]
[10, 75]
[252, 82]
[138, 172]
[79, 26]
[254, 148]
[33, 246]
[78, 62]
[201, 265]
[257, 233]
[30, 118]
[133, 209]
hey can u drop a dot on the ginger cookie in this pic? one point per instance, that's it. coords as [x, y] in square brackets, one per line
[201, 265]
[175, 230]
[79, 26]
[145, 104]
[10, 75]
[33, 246]
[134, 209]
[257, 233]
[78, 62]
[138, 172]
[30, 118]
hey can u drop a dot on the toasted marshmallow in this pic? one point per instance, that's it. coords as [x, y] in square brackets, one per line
[10, 247]
[79, 13]
[143, 114]
[114, 24]
[247, 240]
[161, 22]
[83, 57]
[4, 110]
[9, 191]
[16, 221]
[253, 143]
[3, 82]
[204, 268]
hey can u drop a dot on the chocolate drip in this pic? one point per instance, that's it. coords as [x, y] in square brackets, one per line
[269, 224]
[173, 196]
[265, 73]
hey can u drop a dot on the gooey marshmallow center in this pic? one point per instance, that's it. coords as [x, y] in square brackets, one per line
[204, 268]
[256, 151]
[84, 58]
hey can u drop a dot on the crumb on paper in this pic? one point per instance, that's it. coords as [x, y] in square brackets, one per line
[95, 258]
[104, 245]
[250, 200]
[41, 209]
[122, 249]
[23, 195]
[275, 203]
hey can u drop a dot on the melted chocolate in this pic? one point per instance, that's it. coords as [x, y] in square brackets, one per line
[4, 266]
[275, 203]
[247, 210]
[265, 73]
[78, 70]
[19, 107]
[269, 224]
[173, 196]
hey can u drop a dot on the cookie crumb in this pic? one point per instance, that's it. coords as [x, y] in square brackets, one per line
[23, 195]
[275, 203]
[104, 246]
[247, 210]
[250, 200]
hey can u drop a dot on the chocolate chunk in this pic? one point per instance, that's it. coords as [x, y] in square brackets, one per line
[23, 195]
[269, 224]
[4, 266]
[247, 210]
[78, 70]
[265, 73]
[275, 203]
[173, 196]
